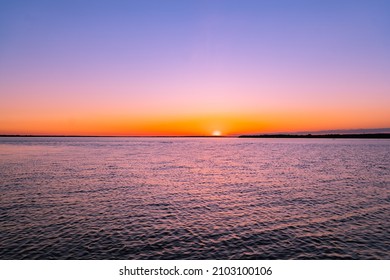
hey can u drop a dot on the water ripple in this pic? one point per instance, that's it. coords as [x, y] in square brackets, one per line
[134, 198]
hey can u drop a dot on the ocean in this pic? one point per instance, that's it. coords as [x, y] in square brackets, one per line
[194, 198]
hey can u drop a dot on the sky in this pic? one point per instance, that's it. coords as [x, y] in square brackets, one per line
[193, 67]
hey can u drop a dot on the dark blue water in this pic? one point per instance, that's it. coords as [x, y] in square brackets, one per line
[188, 198]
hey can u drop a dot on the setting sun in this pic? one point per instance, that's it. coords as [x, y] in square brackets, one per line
[216, 133]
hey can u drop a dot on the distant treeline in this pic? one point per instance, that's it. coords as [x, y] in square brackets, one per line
[357, 136]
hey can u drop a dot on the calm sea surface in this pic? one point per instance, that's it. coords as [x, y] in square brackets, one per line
[194, 198]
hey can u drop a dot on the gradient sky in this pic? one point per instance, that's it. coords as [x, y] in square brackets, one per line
[193, 67]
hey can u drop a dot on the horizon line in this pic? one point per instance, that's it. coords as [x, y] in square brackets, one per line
[351, 131]
[384, 135]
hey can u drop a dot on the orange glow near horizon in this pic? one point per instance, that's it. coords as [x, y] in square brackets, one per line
[204, 125]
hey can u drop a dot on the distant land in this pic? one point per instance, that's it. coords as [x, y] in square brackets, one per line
[376, 133]
[343, 131]
[350, 136]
